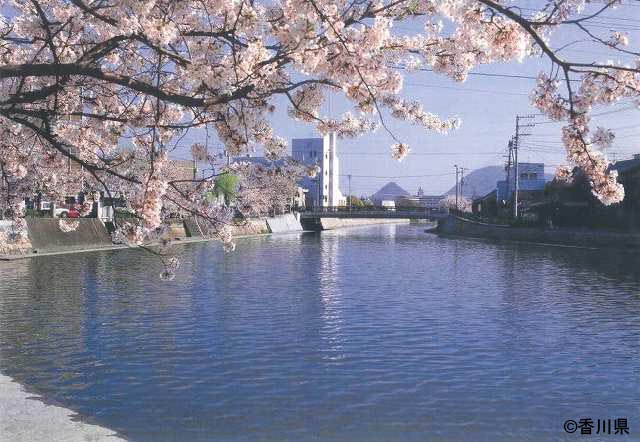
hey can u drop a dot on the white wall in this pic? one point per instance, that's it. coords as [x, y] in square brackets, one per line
[322, 151]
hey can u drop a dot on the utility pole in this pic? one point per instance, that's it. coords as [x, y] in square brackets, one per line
[516, 143]
[461, 183]
[349, 176]
[515, 171]
[457, 172]
[509, 169]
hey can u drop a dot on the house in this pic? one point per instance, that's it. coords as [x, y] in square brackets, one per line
[531, 182]
[629, 177]
[421, 200]
[573, 203]
[431, 201]
[486, 205]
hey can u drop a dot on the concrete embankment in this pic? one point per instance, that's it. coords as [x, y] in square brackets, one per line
[26, 418]
[589, 238]
[319, 224]
[45, 235]
[255, 226]
[91, 235]
[284, 224]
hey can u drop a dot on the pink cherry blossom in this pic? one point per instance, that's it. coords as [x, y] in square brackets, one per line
[68, 225]
[399, 151]
[95, 96]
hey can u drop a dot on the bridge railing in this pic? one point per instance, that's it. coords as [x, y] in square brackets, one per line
[374, 209]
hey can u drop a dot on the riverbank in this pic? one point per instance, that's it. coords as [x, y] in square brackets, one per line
[254, 227]
[588, 238]
[173, 242]
[92, 236]
[27, 418]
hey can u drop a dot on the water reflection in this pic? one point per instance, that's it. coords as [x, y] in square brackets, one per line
[381, 333]
[330, 296]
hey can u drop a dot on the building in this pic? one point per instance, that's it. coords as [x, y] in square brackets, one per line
[530, 184]
[486, 205]
[627, 169]
[323, 190]
[431, 201]
[629, 177]
[183, 169]
[421, 200]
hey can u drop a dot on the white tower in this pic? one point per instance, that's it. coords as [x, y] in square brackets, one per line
[331, 173]
[322, 151]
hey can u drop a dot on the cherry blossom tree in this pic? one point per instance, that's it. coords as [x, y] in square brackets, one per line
[460, 203]
[112, 85]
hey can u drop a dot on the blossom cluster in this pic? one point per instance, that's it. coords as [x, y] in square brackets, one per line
[585, 148]
[68, 225]
[95, 95]
[451, 202]
[399, 151]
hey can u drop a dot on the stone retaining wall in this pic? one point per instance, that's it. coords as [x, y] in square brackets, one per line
[254, 226]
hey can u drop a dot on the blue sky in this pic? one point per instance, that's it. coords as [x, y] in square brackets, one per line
[487, 107]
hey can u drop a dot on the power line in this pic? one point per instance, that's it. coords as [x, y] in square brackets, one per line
[459, 89]
[477, 74]
[398, 176]
[597, 114]
[419, 153]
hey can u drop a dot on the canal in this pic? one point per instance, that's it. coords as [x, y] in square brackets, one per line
[372, 334]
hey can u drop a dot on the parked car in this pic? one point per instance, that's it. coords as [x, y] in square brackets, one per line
[389, 205]
[64, 212]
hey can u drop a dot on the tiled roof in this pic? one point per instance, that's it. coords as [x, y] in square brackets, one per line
[625, 165]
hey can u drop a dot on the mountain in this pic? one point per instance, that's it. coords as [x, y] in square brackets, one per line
[480, 181]
[389, 191]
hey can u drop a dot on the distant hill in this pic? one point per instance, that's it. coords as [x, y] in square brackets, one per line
[389, 191]
[480, 181]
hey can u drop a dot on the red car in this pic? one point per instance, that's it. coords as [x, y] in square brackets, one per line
[71, 212]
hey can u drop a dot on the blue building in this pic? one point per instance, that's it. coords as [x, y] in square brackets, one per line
[531, 181]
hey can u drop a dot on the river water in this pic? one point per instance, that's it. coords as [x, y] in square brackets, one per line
[382, 333]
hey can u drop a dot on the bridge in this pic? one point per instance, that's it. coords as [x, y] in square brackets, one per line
[374, 212]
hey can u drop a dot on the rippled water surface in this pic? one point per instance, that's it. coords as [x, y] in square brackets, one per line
[373, 334]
